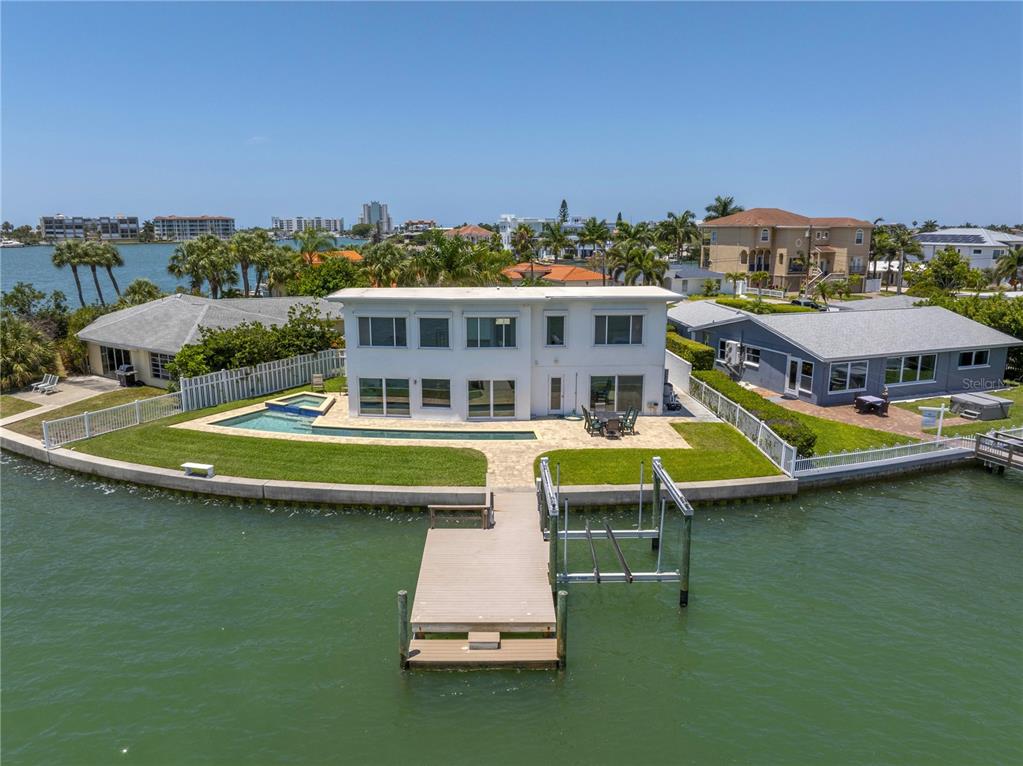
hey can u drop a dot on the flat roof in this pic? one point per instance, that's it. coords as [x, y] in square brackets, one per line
[502, 294]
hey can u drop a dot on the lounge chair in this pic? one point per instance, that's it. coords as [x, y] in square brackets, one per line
[49, 388]
[48, 380]
[317, 383]
[613, 428]
[629, 422]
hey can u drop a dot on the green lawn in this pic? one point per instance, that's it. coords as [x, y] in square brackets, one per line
[11, 405]
[34, 426]
[718, 452]
[1014, 420]
[259, 458]
[833, 436]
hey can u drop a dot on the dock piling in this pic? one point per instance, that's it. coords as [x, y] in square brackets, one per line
[683, 565]
[403, 641]
[562, 627]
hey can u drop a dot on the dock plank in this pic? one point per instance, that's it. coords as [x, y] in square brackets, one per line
[514, 652]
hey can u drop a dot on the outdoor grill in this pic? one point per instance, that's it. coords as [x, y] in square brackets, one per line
[126, 375]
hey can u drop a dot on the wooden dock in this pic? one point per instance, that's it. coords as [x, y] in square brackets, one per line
[1000, 450]
[476, 581]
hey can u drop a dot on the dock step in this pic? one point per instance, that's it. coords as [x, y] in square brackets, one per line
[456, 653]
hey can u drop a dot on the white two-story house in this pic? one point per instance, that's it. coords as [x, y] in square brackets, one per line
[482, 353]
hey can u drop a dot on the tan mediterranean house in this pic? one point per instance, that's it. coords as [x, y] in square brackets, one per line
[794, 249]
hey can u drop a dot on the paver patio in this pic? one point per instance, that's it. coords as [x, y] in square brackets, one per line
[69, 390]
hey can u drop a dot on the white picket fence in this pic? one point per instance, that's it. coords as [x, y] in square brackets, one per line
[248, 382]
[816, 463]
[89, 424]
[777, 450]
[197, 393]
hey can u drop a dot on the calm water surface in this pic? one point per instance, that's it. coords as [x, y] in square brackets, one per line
[32, 264]
[878, 624]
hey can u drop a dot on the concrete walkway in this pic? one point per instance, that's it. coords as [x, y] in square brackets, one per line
[68, 391]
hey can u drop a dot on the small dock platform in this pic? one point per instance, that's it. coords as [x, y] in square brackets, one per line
[486, 581]
[1000, 450]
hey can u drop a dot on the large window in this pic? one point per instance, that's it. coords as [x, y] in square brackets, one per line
[859, 236]
[616, 393]
[437, 393]
[158, 365]
[848, 376]
[383, 396]
[973, 358]
[382, 331]
[618, 329]
[113, 358]
[909, 369]
[490, 332]
[433, 333]
[491, 398]
[555, 330]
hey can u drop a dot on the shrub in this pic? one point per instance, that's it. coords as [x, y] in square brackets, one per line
[795, 432]
[759, 307]
[25, 353]
[697, 354]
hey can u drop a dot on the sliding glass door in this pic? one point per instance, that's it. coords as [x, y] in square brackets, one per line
[616, 393]
[491, 398]
[384, 396]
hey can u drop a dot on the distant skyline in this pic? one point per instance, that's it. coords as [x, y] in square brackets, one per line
[462, 112]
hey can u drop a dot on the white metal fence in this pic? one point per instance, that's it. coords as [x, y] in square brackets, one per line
[197, 393]
[808, 465]
[248, 382]
[89, 424]
[777, 450]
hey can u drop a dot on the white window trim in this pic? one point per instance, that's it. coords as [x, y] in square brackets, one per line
[499, 315]
[491, 416]
[393, 318]
[547, 314]
[902, 366]
[616, 376]
[765, 235]
[746, 362]
[419, 334]
[974, 354]
[858, 238]
[617, 312]
[383, 388]
[425, 406]
[848, 376]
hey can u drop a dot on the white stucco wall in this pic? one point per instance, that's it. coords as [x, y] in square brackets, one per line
[531, 364]
[139, 358]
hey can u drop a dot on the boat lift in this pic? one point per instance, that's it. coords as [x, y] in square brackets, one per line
[554, 523]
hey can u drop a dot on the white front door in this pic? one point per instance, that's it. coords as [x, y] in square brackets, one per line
[556, 394]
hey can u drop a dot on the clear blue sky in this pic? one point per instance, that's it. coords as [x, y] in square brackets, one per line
[466, 111]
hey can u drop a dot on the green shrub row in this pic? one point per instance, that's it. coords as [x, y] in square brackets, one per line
[780, 420]
[697, 354]
[758, 307]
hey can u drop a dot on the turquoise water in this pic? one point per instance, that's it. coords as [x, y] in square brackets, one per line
[304, 400]
[875, 624]
[288, 423]
[32, 264]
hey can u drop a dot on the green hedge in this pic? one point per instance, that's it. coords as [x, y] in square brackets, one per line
[796, 433]
[758, 307]
[697, 354]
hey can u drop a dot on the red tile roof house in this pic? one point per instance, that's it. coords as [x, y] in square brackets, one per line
[554, 274]
[794, 249]
[472, 233]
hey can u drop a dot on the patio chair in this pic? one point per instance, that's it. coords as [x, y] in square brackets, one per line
[613, 428]
[593, 426]
[317, 383]
[47, 380]
[629, 422]
[49, 388]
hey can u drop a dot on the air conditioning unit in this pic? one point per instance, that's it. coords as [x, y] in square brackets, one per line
[733, 352]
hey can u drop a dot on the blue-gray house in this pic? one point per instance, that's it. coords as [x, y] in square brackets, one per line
[830, 358]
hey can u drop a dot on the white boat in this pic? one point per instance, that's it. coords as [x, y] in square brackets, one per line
[11, 243]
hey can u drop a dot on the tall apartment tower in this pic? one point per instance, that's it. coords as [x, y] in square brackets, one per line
[375, 213]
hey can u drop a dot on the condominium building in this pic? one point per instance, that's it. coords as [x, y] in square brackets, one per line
[508, 223]
[287, 226]
[791, 248]
[375, 214]
[182, 227]
[114, 227]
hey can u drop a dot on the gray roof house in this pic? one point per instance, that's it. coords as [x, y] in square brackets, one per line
[687, 278]
[149, 335]
[830, 358]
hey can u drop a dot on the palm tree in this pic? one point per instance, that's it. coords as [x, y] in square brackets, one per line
[757, 279]
[206, 258]
[677, 232]
[636, 261]
[522, 242]
[384, 265]
[69, 254]
[553, 238]
[825, 290]
[110, 257]
[641, 233]
[735, 277]
[312, 241]
[25, 353]
[722, 206]
[281, 265]
[140, 291]
[1009, 266]
[246, 249]
[93, 256]
[596, 233]
[929, 225]
[904, 243]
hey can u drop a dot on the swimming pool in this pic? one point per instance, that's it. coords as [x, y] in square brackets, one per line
[289, 423]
